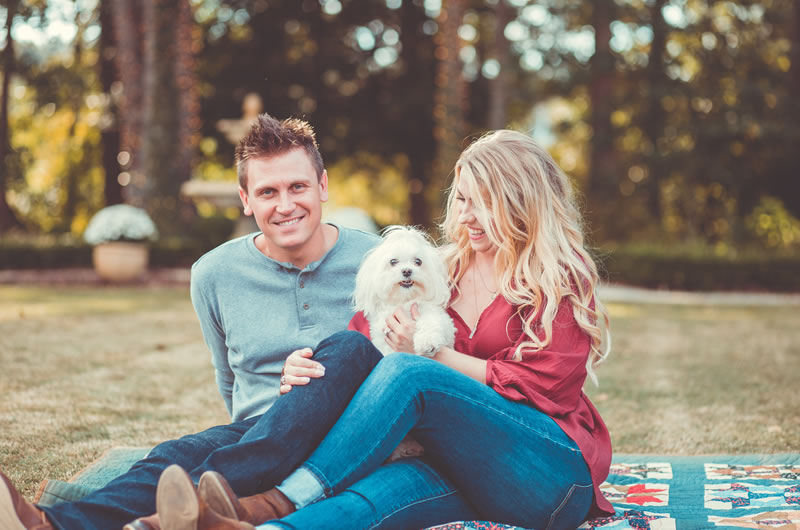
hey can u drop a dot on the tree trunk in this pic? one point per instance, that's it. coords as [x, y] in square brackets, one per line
[603, 183]
[796, 48]
[110, 123]
[127, 21]
[791, 191]
[416, 139]
[449, 129]
[498, 87]
[8, 219]
[166, 153]
[654, 117]
[189, 109]
[73, 168]
[189, 121]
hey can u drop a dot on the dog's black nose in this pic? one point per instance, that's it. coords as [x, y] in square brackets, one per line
[406, 273]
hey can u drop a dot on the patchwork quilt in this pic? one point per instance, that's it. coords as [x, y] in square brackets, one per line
[649, 492]
[719, 492]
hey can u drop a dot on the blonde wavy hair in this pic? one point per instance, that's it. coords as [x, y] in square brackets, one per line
[525, 203]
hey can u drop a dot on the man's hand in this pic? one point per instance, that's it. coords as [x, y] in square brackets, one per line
[400, 329]
[299, 369]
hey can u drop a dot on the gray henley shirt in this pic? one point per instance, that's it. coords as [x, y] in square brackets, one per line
[254, 311]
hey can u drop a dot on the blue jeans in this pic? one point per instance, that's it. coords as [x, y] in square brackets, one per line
[403, 495]
[510, 461]
[254, 454]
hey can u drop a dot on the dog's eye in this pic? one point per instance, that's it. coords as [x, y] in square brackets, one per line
[393, 262]
[417, 262]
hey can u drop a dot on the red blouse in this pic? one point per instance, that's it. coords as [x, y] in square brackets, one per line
[551, 379]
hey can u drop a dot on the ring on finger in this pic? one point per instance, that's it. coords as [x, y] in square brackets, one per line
[283, 380]
[386, 331]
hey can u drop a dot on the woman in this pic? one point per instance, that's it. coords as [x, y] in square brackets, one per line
[508, 433]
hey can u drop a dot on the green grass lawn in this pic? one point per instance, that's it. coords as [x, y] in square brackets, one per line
[699, 380]
[86, 369]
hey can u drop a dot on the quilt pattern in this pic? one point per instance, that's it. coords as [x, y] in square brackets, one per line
[742, 494]
[642, 470]
[699, 492]
[764, 521]
[474, 525]
[777, 472]
[639, 494]
[712, 492]
[632, 519]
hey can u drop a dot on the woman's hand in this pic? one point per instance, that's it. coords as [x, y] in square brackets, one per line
[400, 329]
[299, 369]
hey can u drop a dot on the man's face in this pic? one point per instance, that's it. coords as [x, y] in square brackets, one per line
[285, 197]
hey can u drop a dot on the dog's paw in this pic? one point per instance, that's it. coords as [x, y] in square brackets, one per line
[435, 329]
[427, 342]
[426, 350]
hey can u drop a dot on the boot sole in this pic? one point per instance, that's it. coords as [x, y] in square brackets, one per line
[136, 526]
[9, 520]
[176, 500]
[217, 495]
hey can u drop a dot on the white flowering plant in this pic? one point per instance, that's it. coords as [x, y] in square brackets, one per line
[120, 222]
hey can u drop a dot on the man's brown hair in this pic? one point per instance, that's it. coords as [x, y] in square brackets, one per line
[270, 137]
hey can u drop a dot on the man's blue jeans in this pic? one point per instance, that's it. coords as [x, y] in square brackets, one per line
[508, 460]
[254, 454]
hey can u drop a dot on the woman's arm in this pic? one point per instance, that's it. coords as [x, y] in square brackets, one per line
[466, 364]
[552, 378]
[402, 326]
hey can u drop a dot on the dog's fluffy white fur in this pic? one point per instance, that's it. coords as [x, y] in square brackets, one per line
[405, 268]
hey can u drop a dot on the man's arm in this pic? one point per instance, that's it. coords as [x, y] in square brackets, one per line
[214, 336]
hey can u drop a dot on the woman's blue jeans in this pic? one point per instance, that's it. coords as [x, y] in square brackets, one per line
[508, 460]
[403, 495]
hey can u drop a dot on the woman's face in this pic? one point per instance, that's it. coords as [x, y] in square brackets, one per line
[472, 218]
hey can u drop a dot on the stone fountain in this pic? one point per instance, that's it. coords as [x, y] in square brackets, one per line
[225, 193]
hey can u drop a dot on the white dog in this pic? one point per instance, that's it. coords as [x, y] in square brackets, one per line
[404, 269]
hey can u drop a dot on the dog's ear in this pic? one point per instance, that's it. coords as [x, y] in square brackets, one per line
[366, 293]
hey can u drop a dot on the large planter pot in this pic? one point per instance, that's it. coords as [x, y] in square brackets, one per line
[120, 261]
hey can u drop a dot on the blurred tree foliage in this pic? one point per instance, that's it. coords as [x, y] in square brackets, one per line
[9, 159]
[51, 169]
[362, 72]
[679, 119]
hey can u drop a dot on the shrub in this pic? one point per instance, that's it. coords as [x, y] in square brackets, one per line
[120, 222]
[686, 268]
[16, 254]
[49, 251]
[700, 270]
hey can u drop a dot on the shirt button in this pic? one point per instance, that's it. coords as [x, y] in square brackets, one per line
[305, 306]
[302, 284]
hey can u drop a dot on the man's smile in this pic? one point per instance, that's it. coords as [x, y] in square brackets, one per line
[289, 222]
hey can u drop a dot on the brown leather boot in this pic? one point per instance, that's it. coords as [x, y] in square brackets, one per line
[16, 513]
[256, 509]
[180, 508]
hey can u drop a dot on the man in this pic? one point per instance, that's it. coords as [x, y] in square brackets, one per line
[258, 298]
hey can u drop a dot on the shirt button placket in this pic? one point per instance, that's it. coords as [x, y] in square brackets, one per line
[305, 313]
[301, 284]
